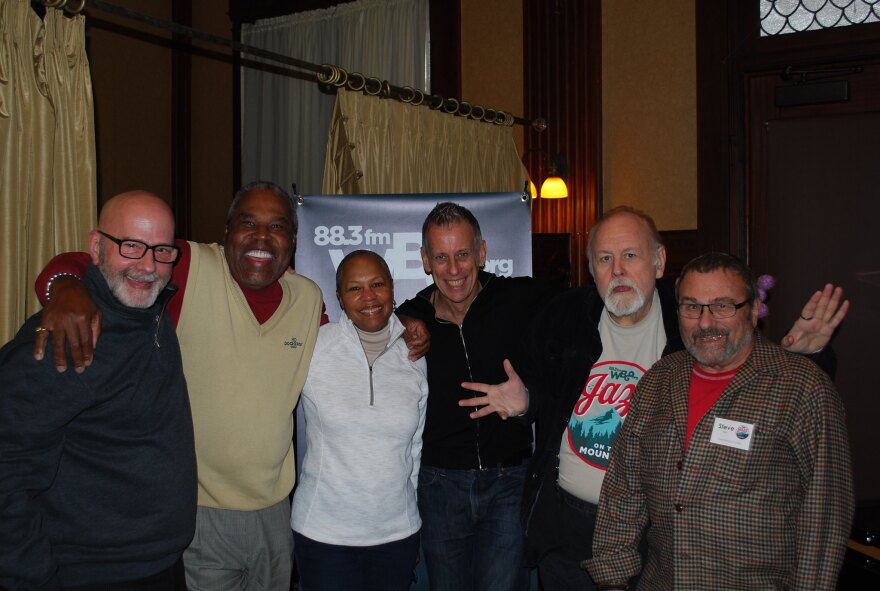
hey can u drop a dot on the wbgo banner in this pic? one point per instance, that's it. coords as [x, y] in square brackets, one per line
[331, 226]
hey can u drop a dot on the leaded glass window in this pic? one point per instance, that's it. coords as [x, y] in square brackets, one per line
[779, 17]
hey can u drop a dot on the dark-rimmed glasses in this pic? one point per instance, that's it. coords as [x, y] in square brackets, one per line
[694, 310]
[135, 249]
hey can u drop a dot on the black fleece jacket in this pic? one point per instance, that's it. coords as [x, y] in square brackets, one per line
[97, 470]
[474, 352]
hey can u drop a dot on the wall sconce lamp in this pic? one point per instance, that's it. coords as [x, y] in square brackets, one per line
[554, 186]
[533, 190]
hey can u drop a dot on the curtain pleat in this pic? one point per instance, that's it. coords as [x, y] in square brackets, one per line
[285, 118]
[385, 146]
[47, 168]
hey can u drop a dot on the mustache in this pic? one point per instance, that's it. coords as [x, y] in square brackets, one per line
[144, 277]
[708, 333]
[620, 282]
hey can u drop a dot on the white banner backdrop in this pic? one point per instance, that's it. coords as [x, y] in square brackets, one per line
[331, 226]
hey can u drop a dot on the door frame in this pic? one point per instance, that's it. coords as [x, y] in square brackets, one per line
[730, 52]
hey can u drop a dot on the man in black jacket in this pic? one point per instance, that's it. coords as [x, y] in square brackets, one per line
[98, 474]
[589, 347]
[472, 472]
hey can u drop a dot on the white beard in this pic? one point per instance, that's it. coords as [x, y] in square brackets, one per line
[131, 298]
[624, 304]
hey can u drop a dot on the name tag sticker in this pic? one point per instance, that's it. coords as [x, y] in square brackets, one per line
[732, 434]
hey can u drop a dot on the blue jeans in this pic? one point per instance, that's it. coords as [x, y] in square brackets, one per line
[328, 567]
[471, 534]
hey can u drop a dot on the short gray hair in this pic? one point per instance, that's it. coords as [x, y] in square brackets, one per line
[447, 214]
[264, 186]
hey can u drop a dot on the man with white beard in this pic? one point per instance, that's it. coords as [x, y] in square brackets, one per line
[588, 349]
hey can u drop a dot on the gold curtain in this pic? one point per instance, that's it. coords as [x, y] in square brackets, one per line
[385, 146]
[47, 165]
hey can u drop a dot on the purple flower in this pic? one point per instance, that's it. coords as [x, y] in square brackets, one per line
[766, 282]
[763, 311]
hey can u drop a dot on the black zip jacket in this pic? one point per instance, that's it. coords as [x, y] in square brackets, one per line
[97, 470]
[474, 352]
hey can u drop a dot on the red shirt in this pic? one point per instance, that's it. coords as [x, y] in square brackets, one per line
[704, 392]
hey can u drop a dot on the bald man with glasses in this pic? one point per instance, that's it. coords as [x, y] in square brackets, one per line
[98, 470]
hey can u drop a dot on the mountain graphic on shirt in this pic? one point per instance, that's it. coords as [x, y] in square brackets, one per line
[592, 439]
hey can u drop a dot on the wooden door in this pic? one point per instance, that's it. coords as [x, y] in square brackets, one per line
[813, 211]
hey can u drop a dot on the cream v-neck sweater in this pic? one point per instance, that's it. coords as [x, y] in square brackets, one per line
[244, 380]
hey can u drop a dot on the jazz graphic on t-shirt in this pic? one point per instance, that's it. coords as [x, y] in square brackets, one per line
[601, 409]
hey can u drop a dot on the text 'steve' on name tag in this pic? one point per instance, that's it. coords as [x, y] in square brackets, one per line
[733, 434]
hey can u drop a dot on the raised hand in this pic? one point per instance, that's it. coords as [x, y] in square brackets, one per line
[819, 318]
[508, 399]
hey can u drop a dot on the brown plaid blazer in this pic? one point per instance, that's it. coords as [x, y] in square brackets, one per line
[774, 517]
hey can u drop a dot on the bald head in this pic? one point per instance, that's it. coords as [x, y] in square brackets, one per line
[137, 208]
[135, 216]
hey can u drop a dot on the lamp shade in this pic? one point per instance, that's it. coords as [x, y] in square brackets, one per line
[554, 188]
[533, 190]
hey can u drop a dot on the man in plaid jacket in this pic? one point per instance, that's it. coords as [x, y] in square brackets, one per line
[734, 455]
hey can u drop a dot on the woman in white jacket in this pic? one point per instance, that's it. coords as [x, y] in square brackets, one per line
[355, 519]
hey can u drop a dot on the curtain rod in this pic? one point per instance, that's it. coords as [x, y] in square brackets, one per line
[325, 73]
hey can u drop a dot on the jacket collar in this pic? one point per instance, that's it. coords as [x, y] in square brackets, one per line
[348, 328]
[97, 285]
[669, 309]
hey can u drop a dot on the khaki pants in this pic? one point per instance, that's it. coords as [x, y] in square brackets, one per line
[238, 550]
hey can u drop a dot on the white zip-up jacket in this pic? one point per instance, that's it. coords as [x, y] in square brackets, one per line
[364, 428]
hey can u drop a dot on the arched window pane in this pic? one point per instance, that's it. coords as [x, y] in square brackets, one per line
[779, 17]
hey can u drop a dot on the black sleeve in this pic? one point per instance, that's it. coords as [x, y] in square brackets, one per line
[826, 359]
[537, 366]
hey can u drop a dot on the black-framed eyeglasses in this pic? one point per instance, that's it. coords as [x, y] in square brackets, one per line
[694, 310]
[135, 249]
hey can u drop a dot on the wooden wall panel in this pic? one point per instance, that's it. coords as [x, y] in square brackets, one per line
[562, 76]
[131, 67]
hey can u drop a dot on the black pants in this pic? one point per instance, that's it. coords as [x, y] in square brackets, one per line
[170, 579]
[560, 567]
